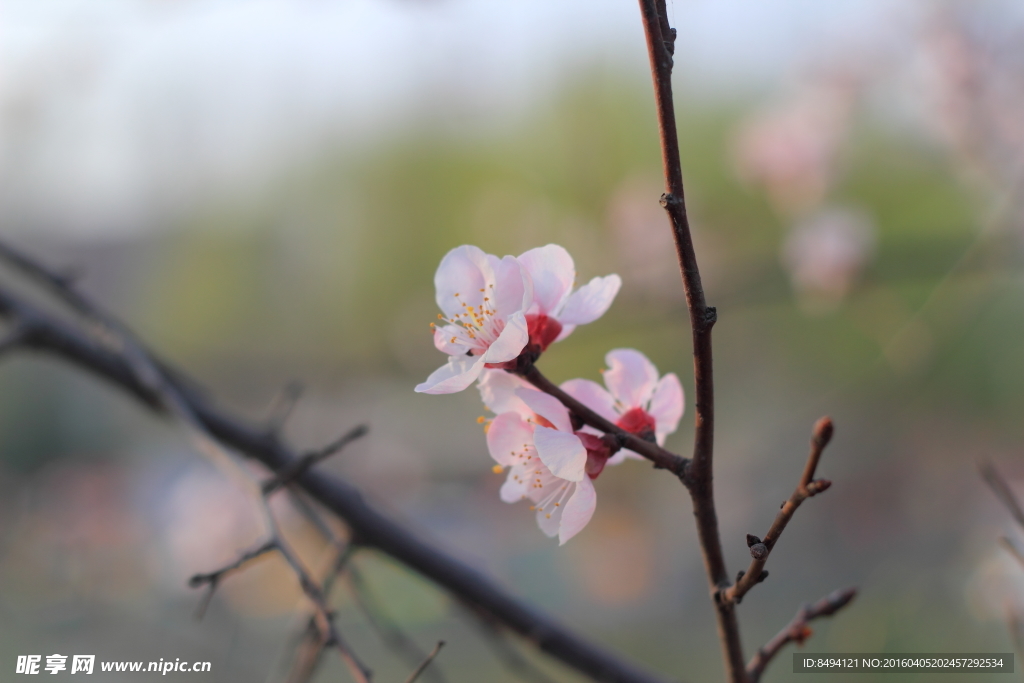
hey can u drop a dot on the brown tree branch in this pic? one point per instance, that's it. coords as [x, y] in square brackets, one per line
[661, 458]
[48, 333]
[310, 646]
[387, 630]
[328, 634]
[699, 476]
[504, 651]
[299, 467]
[213, 579]
[807, 487]
[426, 662]
[797, 630]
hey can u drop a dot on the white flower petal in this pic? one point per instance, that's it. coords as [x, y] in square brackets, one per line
[589, 302]
[510, 342]
[562, 453]
[443, 340]
[498, 391]
[464, 271]
[630, 377]
[513, 489]
[549, 519]
[578, 510]
[552, 272]
[457, 374]
[509, 436]
[513, 288]
[548, 407]
[593, 396]
[667, 405]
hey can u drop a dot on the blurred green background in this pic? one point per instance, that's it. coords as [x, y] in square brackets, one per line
[864, 257]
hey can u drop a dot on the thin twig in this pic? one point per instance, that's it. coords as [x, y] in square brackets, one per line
[699, 475]
[310, 645]
[659, 456]
[55, 335]
[324, 619]
[426, 662]
[505, 651]
[807, 487]
[299, 467]
[169, 395]
[387, 630]
[214, 578]
[797, 630]
[1003, 492]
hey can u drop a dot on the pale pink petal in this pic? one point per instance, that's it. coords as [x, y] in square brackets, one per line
[578, 510]
[443, 340]
[463, 272]
[513, 288]
[550, 518]
[667, 406]
[508, 437]
[510, 342]
[552, 272]
[548, 407]
[593, 396]
[561, 452]
[498, 391]
[589, 302]
[630, 377]
[456, 375]
[514, 489]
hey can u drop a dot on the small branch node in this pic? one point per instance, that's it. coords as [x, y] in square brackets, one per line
[759, 551]
[797, 631]
[752, 539]
[299, 467]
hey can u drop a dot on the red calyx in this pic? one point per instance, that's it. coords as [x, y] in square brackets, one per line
[543, 331]
[638, 421]
[598, 453]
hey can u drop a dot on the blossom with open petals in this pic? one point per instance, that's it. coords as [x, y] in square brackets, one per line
[635, 399]
[484, 300]
[557, 310]
[548, 463]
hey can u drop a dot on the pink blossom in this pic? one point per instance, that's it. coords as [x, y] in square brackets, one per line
[484, 300]
[636, 399]
[557, 310]
[549, 463]
[826, 253]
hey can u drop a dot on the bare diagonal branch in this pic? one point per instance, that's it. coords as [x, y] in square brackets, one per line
[797, 630]
[760, 549]
[51, 334]
[659, 456]
[426, 662]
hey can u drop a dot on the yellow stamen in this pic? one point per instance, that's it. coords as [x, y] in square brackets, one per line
[497, 469]
[480, 420]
